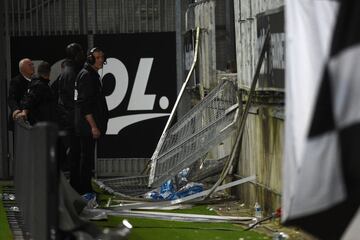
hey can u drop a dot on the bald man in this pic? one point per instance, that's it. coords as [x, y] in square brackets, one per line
[18, 87]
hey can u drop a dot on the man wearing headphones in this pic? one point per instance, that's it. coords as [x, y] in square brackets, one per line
[91, 118]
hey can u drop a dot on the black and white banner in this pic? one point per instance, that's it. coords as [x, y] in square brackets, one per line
[139, 80]
[321, 172]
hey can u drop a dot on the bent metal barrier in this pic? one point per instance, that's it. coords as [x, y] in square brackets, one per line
[206, 125]
[36, 178]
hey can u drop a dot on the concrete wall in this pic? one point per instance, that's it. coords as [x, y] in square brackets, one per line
[261, 155]
[245, 12]
[262, 146]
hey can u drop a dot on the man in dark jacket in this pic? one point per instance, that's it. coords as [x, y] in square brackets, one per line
[91, 118]
[64, 87]
[18, 87]
[39, 102]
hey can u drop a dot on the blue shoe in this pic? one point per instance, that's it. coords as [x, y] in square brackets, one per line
[90, 198]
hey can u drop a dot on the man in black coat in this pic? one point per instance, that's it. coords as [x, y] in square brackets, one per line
[64, 87]
[18, 87]
[38, 104]
[91, 118]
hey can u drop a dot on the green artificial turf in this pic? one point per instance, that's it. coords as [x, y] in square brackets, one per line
[152, 229]
[5, 232]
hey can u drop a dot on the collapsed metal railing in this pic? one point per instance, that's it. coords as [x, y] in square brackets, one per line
[203, 127]
[196, 133]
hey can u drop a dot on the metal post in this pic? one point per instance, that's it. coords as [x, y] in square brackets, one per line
[31, 19]
[81, 16]
[4, 160]
[179, 43]
[230, 30]
[94, 17]
[43, 18]
[86, 17]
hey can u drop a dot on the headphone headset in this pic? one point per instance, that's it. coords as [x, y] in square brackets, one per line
[91, 58]
[74, 50]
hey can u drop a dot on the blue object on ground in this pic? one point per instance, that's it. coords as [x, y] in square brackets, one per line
[167, 191]
[90, 198]
[189, 189]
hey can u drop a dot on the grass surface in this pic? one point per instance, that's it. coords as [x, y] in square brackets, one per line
[151, 229]
[5, 232]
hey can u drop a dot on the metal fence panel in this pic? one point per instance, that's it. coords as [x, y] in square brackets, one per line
[202, 128]
[63, 17]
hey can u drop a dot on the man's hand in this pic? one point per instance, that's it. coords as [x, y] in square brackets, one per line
[15, 113]
[95, 132]
[94, 129]
[22, 115]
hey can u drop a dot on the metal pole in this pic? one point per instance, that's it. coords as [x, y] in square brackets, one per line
[95, 17]
[18, 18]
[86, 17]
[230, 30]
[133, 16]
[147, 16]
[81, 16]
[153, 15]
[49, 17]
[4, 160]
[31, 19]
[25, 20]
[179, 19]
[37, 18]
[43, 18]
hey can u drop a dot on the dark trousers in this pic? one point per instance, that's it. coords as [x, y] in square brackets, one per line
[68, 149]
[82, 163]
[64, 148]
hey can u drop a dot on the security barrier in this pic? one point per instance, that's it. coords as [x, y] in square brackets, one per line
[36, 178]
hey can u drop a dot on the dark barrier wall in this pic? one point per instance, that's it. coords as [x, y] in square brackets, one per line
[36, 178]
